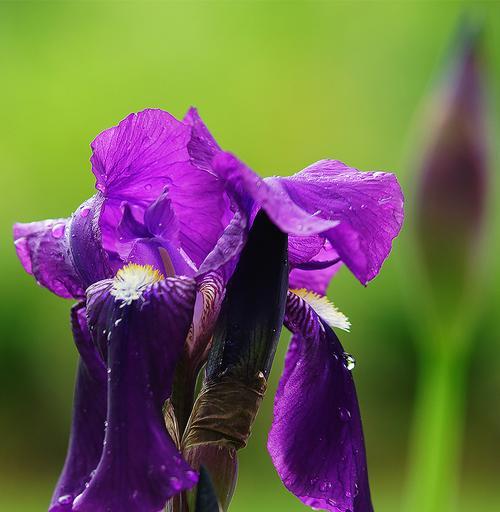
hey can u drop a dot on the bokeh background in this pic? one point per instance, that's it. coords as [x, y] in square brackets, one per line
[281, 84]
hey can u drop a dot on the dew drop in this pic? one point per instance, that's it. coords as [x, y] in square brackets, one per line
[117, 322]
[349, 361]
[354, 492]
[192, 475]
[325, 486]
[58, 230]
[85, 212]
[344, 414]
[148, 186]
[175, 483]
[65, 500]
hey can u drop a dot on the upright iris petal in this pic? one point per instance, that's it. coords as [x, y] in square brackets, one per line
[137, 159]
[316, 440]
[141, 323]
[89, 414]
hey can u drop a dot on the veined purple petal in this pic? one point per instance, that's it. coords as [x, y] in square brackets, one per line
[88, 256]
[224, 256]
[209, 296]
[282, 210]
[368, 205]
[316, 440]
[44, 250]
[160, 218]
[137, 159]
[64, 255]
[89, 414]
[202, 146]
[140, 467]
[316, 274]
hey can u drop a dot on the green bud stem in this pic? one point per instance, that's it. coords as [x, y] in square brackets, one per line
[437, 432]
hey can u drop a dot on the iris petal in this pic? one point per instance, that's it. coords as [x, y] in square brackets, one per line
[140, 467]
[316, 440]
[89, 414]
[369, 206]
[137, 159]
[43, 248]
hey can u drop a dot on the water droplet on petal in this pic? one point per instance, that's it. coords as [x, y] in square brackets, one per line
[192, 475]
[175, 483]
[58, 230]
[85, 212]
[148, 186]
[349, 361]
[117, 322]
[344, 414]
[65, 500]
[325, 486]
[354, 492]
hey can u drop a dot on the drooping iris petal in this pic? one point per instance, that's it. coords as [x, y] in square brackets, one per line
[359, 213]
[316, 440]
[140, 467]
[369, 206]
[137, 159]
[43, 248]
[316, 274]
[64, 255]
[89, 414]
[282, 210]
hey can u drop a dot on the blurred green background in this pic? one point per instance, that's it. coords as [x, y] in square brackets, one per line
[281, 84]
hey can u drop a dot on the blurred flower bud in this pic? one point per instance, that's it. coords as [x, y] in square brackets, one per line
[243, 348]
[452, 190]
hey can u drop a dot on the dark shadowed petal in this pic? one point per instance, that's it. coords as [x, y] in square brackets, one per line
[89, 258]
[89, 414]
[317, 273]
[137, 159]
[368, 205]
[316, 440]
[43, 248]
[140, 467]
[206, 499]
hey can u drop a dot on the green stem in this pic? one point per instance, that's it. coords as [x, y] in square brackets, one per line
[437, 430]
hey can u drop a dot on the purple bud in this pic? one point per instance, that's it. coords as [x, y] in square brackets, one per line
[452, 190]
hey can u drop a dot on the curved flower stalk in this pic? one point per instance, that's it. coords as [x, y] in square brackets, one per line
[156, 259]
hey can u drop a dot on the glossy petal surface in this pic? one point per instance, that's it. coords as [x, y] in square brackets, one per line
[316, 440]
[144, 341]
[89, 414]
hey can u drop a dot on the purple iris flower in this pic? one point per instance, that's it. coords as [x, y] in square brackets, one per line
[148, 258]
